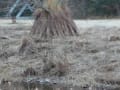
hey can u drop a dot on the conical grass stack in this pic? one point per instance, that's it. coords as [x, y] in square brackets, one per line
[53, 20]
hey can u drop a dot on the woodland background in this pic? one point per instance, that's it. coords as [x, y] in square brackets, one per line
[80, 8]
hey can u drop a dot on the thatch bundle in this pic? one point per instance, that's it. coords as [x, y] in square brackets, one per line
[53, 20]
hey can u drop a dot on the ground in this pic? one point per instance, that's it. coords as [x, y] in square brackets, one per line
[93, 55]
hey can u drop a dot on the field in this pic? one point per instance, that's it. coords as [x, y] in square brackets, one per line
[94, 55]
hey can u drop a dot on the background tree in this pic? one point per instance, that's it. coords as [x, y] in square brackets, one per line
[104, 7]
[80, 8]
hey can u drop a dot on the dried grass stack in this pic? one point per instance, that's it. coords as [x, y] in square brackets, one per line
[53, 20]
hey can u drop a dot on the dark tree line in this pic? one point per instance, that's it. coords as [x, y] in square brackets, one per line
[87, 8]
[91, 8]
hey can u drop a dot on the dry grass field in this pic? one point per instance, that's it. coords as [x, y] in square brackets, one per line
[94, 56]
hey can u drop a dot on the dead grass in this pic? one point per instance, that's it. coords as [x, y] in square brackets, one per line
[91, 56]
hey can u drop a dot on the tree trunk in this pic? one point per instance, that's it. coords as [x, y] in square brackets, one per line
[84, 8]
[118, 9]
